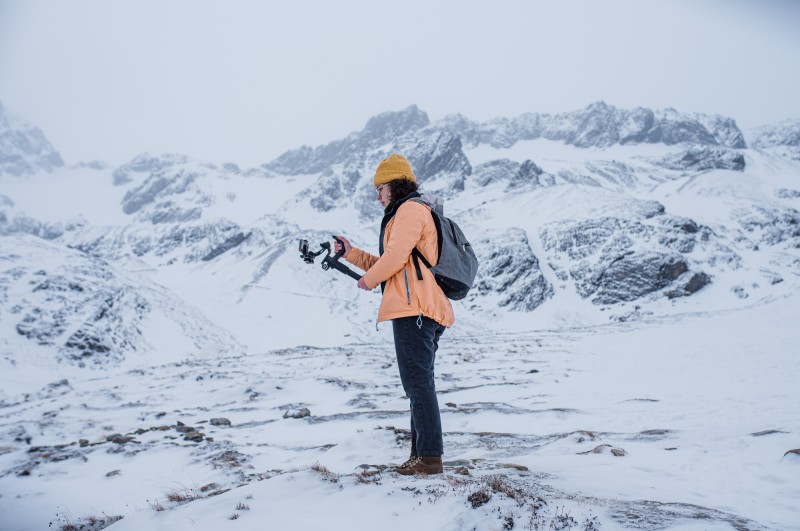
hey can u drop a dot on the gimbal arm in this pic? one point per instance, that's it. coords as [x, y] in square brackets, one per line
[329, 262]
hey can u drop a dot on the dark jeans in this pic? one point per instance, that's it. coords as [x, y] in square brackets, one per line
[416, 351]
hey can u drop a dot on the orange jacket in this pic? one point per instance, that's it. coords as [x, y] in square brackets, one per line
[404, 295]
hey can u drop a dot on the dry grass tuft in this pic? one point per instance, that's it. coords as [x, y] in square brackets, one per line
[368, 477]
[479, 497]
[326, 474]
[183, 496]
[156, 505]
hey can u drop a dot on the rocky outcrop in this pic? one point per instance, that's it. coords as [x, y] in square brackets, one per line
[771, 226]
[509, 270]
[146, 165]
[527, 175]
[782, 138]
[227, 245]
[785, 133]
[440, 153]
[494, 171]
[612, 260]
[157, 188]
[701, 158]
[13, 222]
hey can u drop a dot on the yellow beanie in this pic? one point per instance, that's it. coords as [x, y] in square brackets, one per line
[394, 167]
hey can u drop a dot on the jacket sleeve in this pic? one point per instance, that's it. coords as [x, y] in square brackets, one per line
[361, 259]
[406, 233]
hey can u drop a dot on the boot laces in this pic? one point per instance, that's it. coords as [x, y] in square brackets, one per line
[413, 460]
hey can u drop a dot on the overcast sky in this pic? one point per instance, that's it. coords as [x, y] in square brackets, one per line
[244, 81]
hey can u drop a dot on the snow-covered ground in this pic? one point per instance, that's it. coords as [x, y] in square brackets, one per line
[679, 423]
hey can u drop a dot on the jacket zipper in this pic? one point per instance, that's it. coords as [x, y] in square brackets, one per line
[408, 290]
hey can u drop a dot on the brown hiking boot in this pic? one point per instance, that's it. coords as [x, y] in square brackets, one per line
[409, 462]
[423, 466]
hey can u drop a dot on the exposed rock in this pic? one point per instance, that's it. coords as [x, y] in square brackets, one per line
[632, 275]
[145, 164]
[608, 261]
[510, 269]
[766, 432]
[220, 421]
[188, 242]
[334, 186]
[227, 245]
[612, 174]
[229, 459]
[785, 193]
[696, 282]
[120, 439]
[297, 413]
[158, 186]
[527, 175]
[92, 165]
[785, 133]
[438, 154]
[603, 448]
[231, 167]
[193, 436]
[520, 468]
[772, 226]
[494, 170]
[701, 158]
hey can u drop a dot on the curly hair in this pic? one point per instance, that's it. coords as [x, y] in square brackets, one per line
[400, 188]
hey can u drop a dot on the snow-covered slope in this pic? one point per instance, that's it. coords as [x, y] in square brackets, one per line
[625, 241]
[61, 306]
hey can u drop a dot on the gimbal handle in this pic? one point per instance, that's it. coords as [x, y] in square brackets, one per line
[333, 261]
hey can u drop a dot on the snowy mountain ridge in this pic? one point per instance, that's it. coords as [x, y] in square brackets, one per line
[625, 238]
[159, 312]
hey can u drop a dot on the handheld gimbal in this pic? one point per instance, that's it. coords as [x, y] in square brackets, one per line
[329, 262]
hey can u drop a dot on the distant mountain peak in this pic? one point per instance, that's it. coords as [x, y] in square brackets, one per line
[395, 123]
[24, 150]
[784, 133]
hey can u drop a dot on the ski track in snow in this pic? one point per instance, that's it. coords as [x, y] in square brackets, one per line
[544, 415]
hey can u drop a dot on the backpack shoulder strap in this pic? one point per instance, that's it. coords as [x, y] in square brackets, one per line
[415, 253]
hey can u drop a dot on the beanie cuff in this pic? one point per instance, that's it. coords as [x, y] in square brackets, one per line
[393, 167]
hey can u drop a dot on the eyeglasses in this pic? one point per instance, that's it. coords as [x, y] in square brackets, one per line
[379, 189]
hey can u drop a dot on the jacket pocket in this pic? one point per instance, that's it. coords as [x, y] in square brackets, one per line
[408, 289]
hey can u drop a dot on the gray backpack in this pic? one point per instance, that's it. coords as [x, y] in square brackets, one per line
[457, 266]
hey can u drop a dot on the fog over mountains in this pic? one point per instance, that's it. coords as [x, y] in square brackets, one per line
[167, 268]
